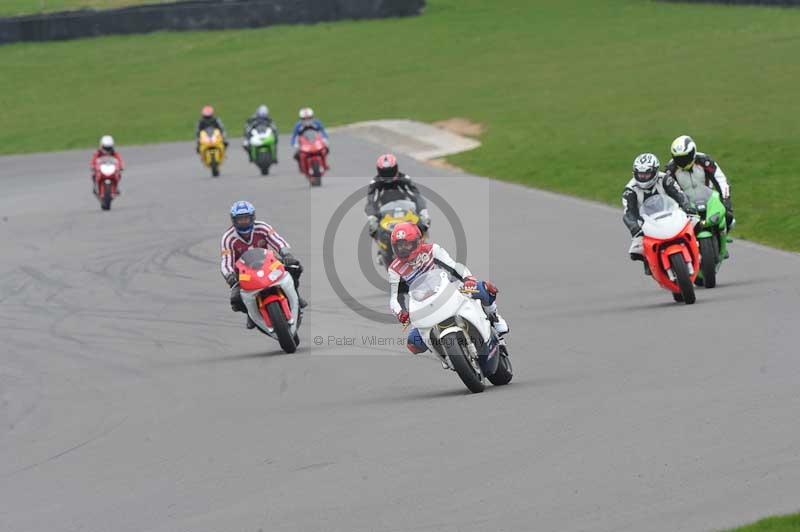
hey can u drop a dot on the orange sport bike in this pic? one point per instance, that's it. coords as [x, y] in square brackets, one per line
[670, 246]
[269, 295]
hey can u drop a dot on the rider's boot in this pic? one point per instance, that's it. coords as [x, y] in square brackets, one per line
[250, 323]
[496, 319]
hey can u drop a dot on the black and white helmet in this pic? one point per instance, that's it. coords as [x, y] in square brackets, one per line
[683, 151]
[645, 170]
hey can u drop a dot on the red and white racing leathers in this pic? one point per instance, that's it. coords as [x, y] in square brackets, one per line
[234, 246]
[402, 272]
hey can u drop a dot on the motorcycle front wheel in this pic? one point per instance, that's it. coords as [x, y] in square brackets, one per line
[459, 358]
[682, 275]
[281, 327]
[709, 254]
[105, 201]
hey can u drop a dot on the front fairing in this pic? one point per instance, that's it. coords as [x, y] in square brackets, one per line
[254, 302]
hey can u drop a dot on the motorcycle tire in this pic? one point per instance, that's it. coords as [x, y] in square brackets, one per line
[316, 173]
[281, 327]
[105, 201]
[214, 168]
[504, 372]
[678, 297]
[459, 360]
[682, 276]
[264, 162]
[709, 254]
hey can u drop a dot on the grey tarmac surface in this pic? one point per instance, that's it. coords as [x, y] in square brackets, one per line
[133, 399]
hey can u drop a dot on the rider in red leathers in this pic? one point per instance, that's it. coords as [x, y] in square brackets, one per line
[106, 149]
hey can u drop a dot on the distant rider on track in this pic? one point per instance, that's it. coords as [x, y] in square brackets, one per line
[390, 184]
[414, 258]
[245, 233]
[647, 181]
[208, 120]
[259, 118]
[307, 121]
[106, 149]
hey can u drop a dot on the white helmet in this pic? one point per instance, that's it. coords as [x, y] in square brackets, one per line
[645, 170]
[683, 151]
[306, 113]
[107, 142]
[262, 111]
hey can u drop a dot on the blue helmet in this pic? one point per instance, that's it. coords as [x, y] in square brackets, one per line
[243, 216]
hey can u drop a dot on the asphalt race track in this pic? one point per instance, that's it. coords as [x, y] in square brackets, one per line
[133, 399]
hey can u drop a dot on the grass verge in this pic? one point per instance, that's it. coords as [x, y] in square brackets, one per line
[783, 523]
[570, 91]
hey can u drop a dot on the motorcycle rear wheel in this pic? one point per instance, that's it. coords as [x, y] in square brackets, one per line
[281, 327]
[709, 254]
[504, 372]
[455, 350]
[682, 276]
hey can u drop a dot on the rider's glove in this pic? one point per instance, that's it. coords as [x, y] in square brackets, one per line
[372, 225]
[424, 222]
[470, 284]
[691, 210]
[490, 287]
[403, 317]
[290, 262]
[232, 280]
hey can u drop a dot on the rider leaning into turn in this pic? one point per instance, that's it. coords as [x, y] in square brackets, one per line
[245, 233]
[693, 169]
[391, 185]
[208, 120]
[647, 181]
[414, 257]
[259, 118]
[307, 121]
[106, 149]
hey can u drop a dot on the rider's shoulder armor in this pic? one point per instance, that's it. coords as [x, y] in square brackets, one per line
[707, 163]
[671, 167]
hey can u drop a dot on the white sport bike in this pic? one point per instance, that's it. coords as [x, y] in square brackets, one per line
[455, 327]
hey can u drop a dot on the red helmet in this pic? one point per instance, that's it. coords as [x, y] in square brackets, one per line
[406, 238]
[208, 111]
[387, 165]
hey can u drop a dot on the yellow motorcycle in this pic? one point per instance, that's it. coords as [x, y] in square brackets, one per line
[212, 149]
[391, 214]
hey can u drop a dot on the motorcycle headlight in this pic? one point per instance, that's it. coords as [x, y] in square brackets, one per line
[274, 275]
[714, 219]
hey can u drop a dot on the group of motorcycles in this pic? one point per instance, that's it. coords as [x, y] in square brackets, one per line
[263, 151]
[682, 250]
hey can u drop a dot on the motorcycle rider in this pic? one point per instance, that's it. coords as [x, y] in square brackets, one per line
[307, 121]
[414, 257]
[209, 120]
[105, 149]
[647, 181]
[692, 169]
[390, 184]
[259, 118]
[245, 233]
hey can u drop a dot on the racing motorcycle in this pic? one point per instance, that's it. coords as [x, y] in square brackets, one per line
[270, 297]
[106, 175]
[212, 149]
[391, 214]
[262, 147]
[670, 246]
[455, 328]
[312, 156]
[712, 235]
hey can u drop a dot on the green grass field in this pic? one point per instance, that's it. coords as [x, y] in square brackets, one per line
[570, 90]
[784, 523]
[10, 8]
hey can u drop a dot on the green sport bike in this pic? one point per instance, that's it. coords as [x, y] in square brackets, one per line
[712, 234]
[262, 144]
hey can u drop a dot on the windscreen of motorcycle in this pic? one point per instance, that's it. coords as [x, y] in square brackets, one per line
[254, 258]
[398, 208]
[428, 284]
[663, 218]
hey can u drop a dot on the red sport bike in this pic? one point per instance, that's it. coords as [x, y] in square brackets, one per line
[312, 156]
[670, 246]
[107, 174]
[270, 297]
